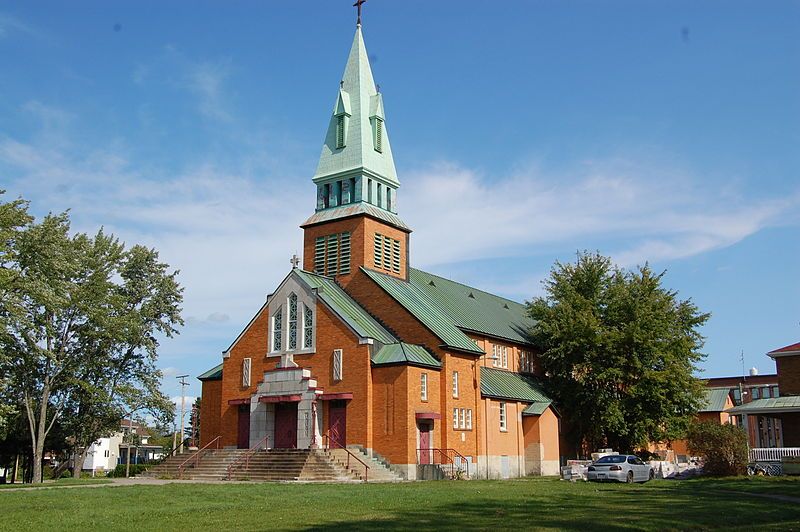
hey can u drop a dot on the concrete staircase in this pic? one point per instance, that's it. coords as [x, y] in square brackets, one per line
[378, 469]
[270, 465]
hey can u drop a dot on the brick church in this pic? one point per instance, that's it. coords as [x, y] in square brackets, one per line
[356, 348]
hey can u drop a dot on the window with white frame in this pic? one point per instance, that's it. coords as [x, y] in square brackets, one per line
[277, 330]
[495, 356]
[469, 419]
[423, 386]
[503, 424]
[505, 357]
[308, 327]
[455, 418]
[455, 384]
[462, 419]
[246, 372]
[337, 365]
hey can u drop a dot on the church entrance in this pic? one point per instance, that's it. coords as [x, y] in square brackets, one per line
[425, 442]
[285, 425]
[243, 432]
[337, 414]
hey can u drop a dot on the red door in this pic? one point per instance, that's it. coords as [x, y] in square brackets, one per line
[285, 425]
[338, 423]
[424, 443]
[243, 432]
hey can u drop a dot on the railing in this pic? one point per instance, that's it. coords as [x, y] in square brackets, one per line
[445, 457]
[196, 456]
[772, 454]
[245, 458]
[327, 439]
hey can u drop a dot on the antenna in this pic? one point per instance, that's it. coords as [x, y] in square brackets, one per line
[184, 384]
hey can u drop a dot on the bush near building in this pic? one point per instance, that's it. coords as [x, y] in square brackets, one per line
[723, 448]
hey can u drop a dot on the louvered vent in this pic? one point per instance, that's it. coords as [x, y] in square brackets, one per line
[319, 255]
[340, 131]
[378, 250]
[379, 135]
[344, 253]
[387, 253]
[396, 256]
[332, 255]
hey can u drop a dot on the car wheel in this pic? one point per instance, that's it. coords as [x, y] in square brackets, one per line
[629, 478]
[652, 475]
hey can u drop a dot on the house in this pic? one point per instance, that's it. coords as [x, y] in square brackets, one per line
[745, 389]
[773, 413]
[106, 453]
[358, 348]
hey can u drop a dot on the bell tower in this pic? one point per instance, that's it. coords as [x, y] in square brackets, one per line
[355, 222]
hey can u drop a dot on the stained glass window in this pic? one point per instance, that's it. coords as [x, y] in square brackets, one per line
[292, 322]
[277, 330]
[308, 329]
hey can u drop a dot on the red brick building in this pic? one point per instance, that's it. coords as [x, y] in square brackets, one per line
[359, 348]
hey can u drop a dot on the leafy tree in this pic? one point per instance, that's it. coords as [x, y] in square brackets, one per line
[722, 447]
[619, 351]
[13, 217]
[81, 327]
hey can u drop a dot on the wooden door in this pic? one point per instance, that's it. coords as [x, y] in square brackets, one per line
[424, 443]
[285, 425]
[337, 424]
[243, 432]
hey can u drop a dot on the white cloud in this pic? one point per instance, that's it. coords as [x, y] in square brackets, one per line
[10, 25]
[660, 215]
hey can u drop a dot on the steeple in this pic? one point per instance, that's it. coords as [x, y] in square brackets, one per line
[356, 164]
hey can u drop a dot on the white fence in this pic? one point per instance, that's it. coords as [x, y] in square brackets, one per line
[772, 454]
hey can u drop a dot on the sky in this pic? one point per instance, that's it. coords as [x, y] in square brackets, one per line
[522, 131]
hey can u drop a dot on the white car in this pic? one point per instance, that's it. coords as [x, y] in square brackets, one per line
[620, 467]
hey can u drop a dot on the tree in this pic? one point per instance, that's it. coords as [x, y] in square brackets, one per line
[13, 217]
[619, 352]
[82, 306]
[722, 447]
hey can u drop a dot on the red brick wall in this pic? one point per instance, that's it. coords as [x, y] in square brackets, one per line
[788, 375]
[209, 411]
[468, 398]
[392, 435]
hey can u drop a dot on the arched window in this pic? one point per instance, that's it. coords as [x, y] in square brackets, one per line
[308, 328]
[292, 322]
[277, 330]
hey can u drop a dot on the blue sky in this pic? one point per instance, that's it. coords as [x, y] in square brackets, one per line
[522, 131]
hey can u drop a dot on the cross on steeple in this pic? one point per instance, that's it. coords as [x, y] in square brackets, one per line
[295, 260]
[358, 5]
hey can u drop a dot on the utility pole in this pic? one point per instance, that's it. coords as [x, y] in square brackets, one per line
[184, 384]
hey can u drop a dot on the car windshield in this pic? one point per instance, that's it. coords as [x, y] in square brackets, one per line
[613, 459]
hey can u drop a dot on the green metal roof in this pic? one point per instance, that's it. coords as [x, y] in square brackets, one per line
[403, 353]
[426, 311]
[354, 209]
[473, 309]
[535, 409]
[776, 405]
[715, 399]
[358, 152]
[509, 385]
[343, 305]
[211, 375]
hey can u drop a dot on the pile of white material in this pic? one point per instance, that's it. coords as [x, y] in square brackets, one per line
[575, 470]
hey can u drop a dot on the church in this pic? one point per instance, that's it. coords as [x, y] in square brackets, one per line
[356, 348]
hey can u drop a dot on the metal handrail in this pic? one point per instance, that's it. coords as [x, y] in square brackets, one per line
[246, 457]
[196, 456]
[446, 457]
[328, 438]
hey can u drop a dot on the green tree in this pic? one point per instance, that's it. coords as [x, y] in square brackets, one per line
[81, 305]
[13, 217]
[723, 448]
[619, 351]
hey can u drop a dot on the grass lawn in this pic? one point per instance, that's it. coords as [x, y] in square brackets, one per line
[458, 505]
[59, 482]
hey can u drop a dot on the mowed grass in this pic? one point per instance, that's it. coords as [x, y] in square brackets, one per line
[57, 483]
[458, 505]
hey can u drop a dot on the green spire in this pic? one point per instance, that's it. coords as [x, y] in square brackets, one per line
[356, 153]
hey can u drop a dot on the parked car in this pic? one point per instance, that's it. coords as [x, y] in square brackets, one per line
[620, 467]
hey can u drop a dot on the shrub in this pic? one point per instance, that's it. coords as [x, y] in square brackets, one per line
[119, 471]
[47, 472]
[723, 448]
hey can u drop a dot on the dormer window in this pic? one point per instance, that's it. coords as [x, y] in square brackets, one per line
[340, 131]
[377, 134]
